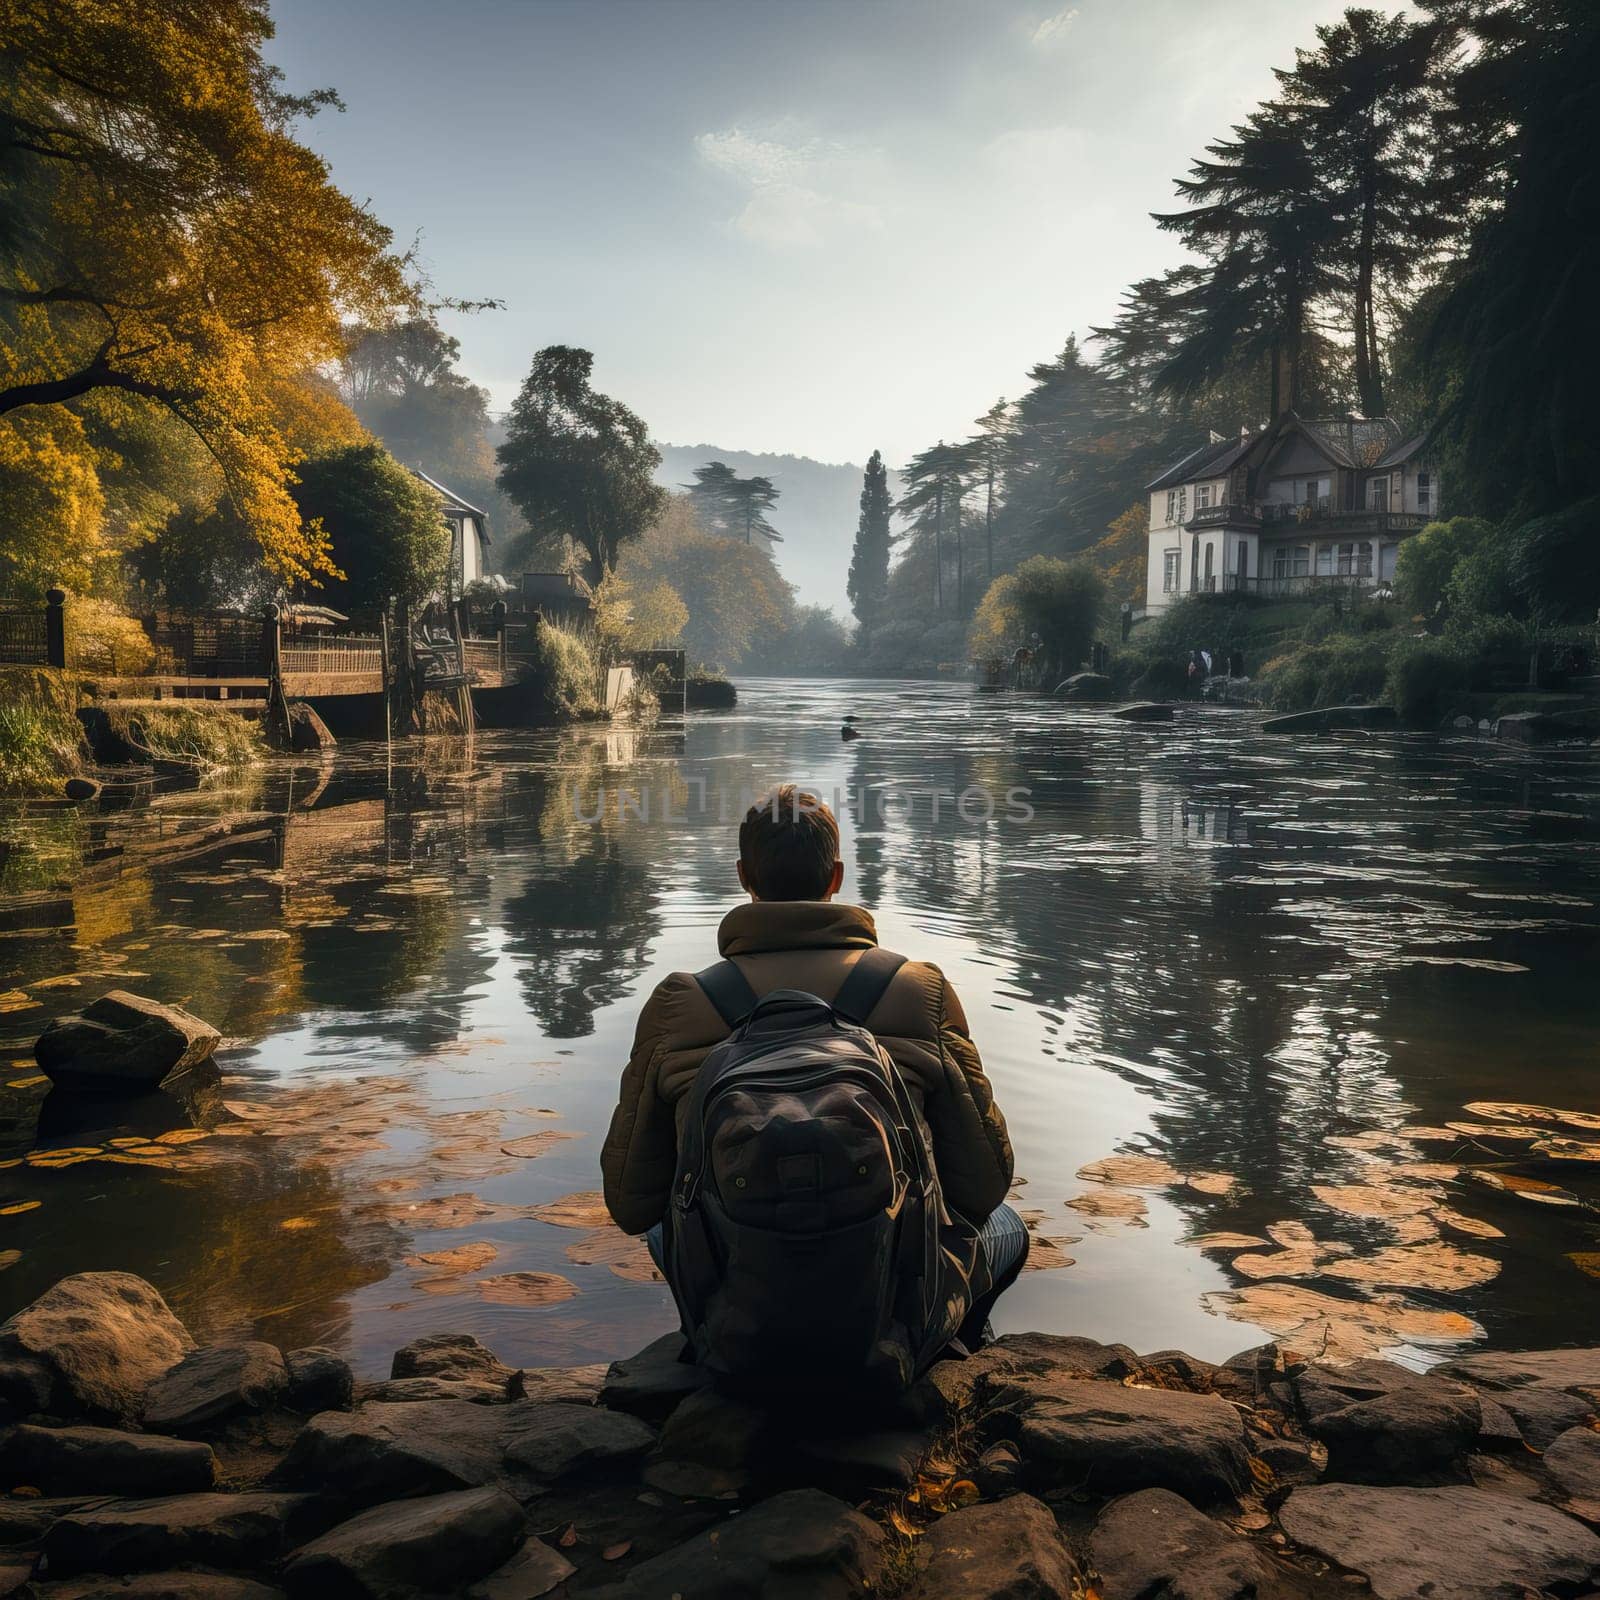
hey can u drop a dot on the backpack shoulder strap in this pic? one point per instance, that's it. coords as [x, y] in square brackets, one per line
[727, 988]
[866, 982]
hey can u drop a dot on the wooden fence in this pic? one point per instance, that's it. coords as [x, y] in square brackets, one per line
[33, 635]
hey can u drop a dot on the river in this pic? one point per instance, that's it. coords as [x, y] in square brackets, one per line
[1247, 960]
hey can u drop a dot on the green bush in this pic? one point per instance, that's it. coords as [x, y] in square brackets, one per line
[1421, 673]
[1427, 563]
[569, 671]
[1348, 669]
[40, 737]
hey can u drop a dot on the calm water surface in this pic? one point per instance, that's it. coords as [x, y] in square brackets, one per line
[1252, 959]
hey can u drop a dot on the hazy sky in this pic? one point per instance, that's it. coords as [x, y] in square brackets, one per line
[818, 226]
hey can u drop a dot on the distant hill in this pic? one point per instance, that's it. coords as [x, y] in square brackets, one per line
[816, 512]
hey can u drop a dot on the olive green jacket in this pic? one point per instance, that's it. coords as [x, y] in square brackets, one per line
[809, 945]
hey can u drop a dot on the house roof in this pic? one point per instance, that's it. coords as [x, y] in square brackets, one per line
[455, 502]
[1350, 441]
[1404, 451]
[1210, 459]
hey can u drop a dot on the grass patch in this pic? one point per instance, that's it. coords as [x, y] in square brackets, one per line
[41, 740]
[567, 671]
[198, 733]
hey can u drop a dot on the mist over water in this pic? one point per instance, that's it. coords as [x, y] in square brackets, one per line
[1250, 959]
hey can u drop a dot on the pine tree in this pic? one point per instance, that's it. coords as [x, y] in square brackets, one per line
[868, 583]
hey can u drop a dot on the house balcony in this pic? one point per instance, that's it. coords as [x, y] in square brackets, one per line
[1297, 583]
[1319, 518]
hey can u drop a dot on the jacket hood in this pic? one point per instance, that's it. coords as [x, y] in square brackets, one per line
[763, 925]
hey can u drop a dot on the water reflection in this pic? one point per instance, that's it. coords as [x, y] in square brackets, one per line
[1241, 959]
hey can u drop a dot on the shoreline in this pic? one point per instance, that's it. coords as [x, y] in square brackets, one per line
[1044, 1465]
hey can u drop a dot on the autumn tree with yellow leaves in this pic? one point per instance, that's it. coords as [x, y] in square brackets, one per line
[175, 268]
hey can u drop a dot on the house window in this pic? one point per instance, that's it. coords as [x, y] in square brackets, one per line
[1347, 560]
[1202, 497]
[1302, 561]
[1280, 561]
[1324, 560]
[1172, 506]
[1244, 561]
[1378, 494]
[1424, 493]
[1169, 571]
[1183, 504]
[1211, 582]
[1364, 559]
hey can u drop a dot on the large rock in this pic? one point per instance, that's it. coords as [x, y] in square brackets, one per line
[216, 1530]
[1009, 1551]
[164, 1586]
[1464, 1543]
[535, 1569]
[450, 1355]
[1573, 1462]
[651, 1383]
[1156, 1543]
[711, 1445]
[1410, 1432]
[803, 1545]
[1107, 1438]
[435, 1545]
[1577, 1368]
[92, 1344]
[210, 1385]
[319, 1380]
[955, 1381]
[474, 1391]
[104, 1461]
[27, 1520]
[577, 1385]
[1542, 1414]
[123, 1041]
[552, 1441]
[385, 1451]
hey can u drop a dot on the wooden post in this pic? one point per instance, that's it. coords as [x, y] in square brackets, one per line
[383, 634]
[55, 628]
[277, 722]
[498, 612]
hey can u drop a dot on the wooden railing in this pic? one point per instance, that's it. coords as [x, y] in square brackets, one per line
[24, 638]
[483, 655]
[321, 655]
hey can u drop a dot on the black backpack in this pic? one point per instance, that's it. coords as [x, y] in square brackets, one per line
[803, 1239]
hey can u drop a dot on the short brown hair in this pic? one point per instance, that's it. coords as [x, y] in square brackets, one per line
[789, 843]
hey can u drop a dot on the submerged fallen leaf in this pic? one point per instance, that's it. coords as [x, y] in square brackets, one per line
[1110, 1205]
[1046, 1255]
[1548, 1194]
[1584, 1260]
[1226, 1241]
[1417, 1266]
[527, 1289]
[1324, 1325]
[463, 1258]
[1372, 1200]
[1579, 1151]
[1218, 1183]
[624, 1255]
[615, 1552]
[535, 1144]
[1134, 1172]
[585, 1209]
[298, 1224]
[569, 1536]
[18, 1206]
[9, 1258]
[1464, 1224]
[1508, 1112]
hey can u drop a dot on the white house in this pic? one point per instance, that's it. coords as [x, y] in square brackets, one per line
[1299, 505]
[469, 536]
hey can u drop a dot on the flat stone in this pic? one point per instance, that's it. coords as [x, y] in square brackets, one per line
[577, 1385]
[99, 1338]
[124, 1041]
[319, 1380]
[385, 1451]
[801, 1545]
[1573, 1461]
[1497, 1428]
[27, 1521]
[1012, 1550]
[1110, 1438]
[474, 1391]
[553, 1441]
[104, 1461]
[450, 1355]
[210, 1385]
[955, 1381]
[163, 1586]
[1155, 1542]
[437, 1544]
[651, 1383]
[1460, 1543]
[218, 1530]
[534, 1570]
[710, 1445]
[1410, 1432]
[1543, 1415]
[1291, 1460]
[1515, 1369]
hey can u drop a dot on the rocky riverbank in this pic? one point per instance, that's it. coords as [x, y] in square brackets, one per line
[1043, 1468]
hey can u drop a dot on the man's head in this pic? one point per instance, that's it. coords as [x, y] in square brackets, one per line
[789, 847]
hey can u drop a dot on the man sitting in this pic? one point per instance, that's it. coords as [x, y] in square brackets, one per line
[808, 1192]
